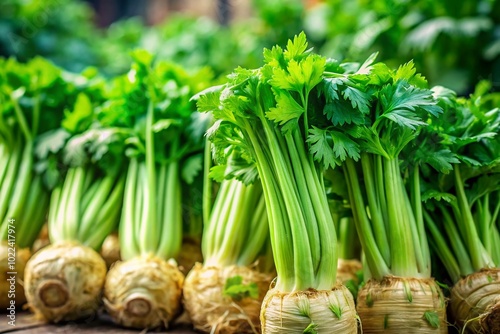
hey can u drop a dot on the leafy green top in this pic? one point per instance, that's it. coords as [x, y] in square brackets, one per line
[167, 87]
[468, 135]
[370, 108]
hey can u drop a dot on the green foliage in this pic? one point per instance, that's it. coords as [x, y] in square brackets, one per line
[60, 30]
[453, 46]
[336, 310]
[236, 290]
[432, 318]
[374, 109]
[468, 133]
[312, 328]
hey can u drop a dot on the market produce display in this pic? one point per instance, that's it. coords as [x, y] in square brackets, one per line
[317, 167]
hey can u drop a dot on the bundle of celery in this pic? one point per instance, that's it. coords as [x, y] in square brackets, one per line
[269, 114]
[462, 211]
[224, 295]
[153, 101]
[64, 280]
[375, 114]
[32, 98]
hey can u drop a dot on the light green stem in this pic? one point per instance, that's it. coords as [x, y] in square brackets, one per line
[127, 233]
[403, 256]
[374, 203]
[171, 224]
[375, 261]
[470, 233]
[150, 229]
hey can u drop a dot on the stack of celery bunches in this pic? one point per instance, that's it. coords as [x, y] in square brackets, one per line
[304, 196]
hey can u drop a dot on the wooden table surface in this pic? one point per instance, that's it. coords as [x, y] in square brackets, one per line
[27, 324]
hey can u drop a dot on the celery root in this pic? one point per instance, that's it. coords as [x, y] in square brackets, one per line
[402, 305]
[110, 249]
[234, 236]
[213, 312]
[143, 292]
[319, 311]
[63, 282]
[475, 302]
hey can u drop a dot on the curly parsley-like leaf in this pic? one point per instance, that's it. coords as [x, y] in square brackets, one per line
[340, 112]
[321, 147]
[402, 103]
[286, 109]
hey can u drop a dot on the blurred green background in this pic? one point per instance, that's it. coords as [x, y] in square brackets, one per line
[453, 43]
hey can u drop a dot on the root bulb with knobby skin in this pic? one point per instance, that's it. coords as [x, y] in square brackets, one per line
[475, 302]
[402, 305]
[110, 249]
[144, 292]
[213, 312]
[6, 288]
[323, 311]
[63, 282]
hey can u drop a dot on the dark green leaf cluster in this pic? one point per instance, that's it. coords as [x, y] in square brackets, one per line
[373, 109]
[466, 134]
[38, 98]
[39, 90]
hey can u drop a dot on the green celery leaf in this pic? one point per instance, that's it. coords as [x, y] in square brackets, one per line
[483, 185]
[438, 196]
[432, 318]
[401, 102]
[209, 101]
[80, 118]
[441, 160]
[286, 109]
[344, 147]
[331, 147]
[236, 290]
[321, 147]
[408, 73]
[218, 173]
[359, 99]
[341, 112]
[192, 166]
[295, 48]
[367, 66]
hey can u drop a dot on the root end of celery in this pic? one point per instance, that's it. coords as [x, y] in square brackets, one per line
[138, 306]
[53, 293]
